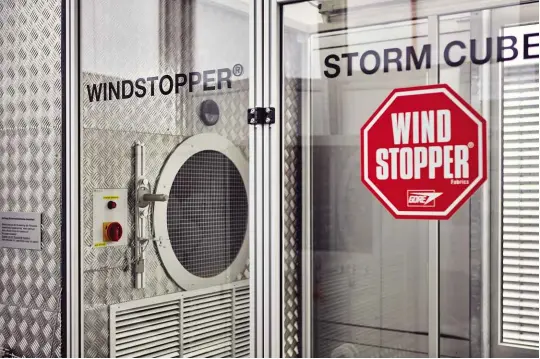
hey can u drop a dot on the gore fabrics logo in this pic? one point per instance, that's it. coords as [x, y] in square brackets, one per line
[422, 198]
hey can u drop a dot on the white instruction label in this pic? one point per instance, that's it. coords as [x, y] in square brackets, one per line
[20, 230]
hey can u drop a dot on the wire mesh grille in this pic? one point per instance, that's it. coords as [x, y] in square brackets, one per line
[207, 213]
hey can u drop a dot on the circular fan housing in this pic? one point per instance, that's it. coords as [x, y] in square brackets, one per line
[206, 216]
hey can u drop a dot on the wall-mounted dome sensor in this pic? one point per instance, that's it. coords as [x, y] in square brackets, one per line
[209, 112]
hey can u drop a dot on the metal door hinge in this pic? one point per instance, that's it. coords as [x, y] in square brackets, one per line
[261, 116]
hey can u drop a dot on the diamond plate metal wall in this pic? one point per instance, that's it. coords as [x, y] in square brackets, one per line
[292, 194]
[161, 122]
[108, 163]
[292, 218]
[30, 172]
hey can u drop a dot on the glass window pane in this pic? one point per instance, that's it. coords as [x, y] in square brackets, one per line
[370, 270]
[164, 95]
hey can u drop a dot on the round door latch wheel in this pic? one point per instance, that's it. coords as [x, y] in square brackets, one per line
[209, 112]
[113, 231]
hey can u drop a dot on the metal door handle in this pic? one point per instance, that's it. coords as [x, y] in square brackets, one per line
[150, 197]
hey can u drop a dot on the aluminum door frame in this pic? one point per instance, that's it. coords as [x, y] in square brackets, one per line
[264, 241]
[72, 313]
[273, 97]
[276, 175]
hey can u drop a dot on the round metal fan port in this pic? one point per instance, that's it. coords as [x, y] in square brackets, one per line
[205, 219]
[207, 213]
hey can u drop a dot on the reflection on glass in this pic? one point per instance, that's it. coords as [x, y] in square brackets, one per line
[370, 290]
[370, 270]
[454, 245]
[166, 74]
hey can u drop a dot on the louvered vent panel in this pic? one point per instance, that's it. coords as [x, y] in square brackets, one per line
[148, 331]
[241, 329]
[207, 325]
[211, 322]
[520, 205]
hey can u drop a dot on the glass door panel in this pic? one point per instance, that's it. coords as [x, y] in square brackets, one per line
[365, 274]
[370, 278]
[455, 234]
[165, 88]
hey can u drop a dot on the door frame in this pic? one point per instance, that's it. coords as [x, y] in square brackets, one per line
[265, 199]
[72, 331]
[273, 80]
[72, 313]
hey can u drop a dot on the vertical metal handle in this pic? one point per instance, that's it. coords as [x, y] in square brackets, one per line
[141, 217]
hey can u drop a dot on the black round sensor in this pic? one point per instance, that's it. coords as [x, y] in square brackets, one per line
[209, 112]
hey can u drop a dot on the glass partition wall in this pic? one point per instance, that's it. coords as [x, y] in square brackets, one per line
[372, 285]
[164, 92]
[178, 229]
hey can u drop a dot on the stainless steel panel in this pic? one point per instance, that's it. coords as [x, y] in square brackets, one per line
[29, 332]
[30, 66]
[30, 172]
[30, 181]
[150, 114]
[96, 332]
[56, 347]
[292, 196]
[292, 218]
[108, 163]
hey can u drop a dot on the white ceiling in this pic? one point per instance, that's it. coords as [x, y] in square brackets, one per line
[301, 15]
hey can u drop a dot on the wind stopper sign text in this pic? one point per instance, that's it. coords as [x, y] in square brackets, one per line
[423, 152]
[430, 132]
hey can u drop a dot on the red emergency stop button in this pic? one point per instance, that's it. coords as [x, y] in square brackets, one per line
[113, 231]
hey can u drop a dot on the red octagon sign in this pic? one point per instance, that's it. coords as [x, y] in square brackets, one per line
[423, 152]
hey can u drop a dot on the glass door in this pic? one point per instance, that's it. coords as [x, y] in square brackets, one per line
[368, 272]
[357, 282]
[165, 191]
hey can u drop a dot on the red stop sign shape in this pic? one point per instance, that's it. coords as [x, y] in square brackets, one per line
[423, 152]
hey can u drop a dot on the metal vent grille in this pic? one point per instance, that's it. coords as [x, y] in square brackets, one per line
[241, 327]
[148, 330]
[217, 324]
[520, 215]
[207, 213]
[208, 323]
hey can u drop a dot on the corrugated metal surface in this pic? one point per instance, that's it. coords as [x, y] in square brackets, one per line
[520, 204]
[30, 172]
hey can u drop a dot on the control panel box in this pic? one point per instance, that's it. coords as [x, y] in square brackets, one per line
[110, 217]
